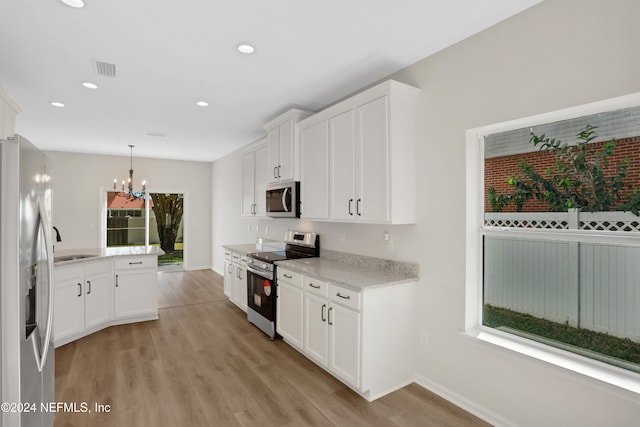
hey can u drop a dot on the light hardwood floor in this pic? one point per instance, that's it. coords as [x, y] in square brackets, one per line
[203, 364]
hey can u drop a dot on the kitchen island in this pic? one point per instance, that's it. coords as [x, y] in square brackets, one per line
[101, 287]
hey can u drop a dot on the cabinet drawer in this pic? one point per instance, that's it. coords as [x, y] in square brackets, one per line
[346, 297]
[244, 259]
[138, 262]
[235, 257]
[68, 272]
[97, 267]
[290, 277]
[227, 255]
[316, 286]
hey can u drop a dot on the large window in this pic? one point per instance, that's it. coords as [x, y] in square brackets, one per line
[554, 232]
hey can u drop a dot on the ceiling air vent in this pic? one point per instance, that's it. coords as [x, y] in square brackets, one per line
[106, 69]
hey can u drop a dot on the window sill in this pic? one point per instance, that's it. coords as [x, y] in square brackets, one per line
[600, 371]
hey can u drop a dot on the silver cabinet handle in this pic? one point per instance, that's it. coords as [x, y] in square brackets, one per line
[343, 296]
[279, 176]
[116, 280]
[135, 263]
[79, 289]
[274, 172]
[324, 319]
[88, 287]
[329, 316]
[314, 286]
[358, 207]
[350, 202]
[287, 276]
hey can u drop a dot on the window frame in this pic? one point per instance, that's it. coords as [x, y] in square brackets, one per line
[476, 230]
[103, 209]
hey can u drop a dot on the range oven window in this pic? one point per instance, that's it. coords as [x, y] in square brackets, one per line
[261, 295]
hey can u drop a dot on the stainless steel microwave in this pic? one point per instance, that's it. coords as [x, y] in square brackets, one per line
[282, 199]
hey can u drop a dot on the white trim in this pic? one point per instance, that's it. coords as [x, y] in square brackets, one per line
[475, 229]
[597, 370]
[462, 402]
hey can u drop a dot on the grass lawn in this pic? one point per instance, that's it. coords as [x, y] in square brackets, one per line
[567, 336]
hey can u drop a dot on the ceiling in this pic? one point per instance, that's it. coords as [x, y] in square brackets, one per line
[170, 54]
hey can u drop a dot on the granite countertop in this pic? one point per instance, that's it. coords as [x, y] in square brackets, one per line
[243, 248]
[88, 254]
[354, 272]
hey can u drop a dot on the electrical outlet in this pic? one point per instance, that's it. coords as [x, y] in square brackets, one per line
[388, 241]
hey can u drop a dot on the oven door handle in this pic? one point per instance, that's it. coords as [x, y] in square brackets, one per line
[261, 273]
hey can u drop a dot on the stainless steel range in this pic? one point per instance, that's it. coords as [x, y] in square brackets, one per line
[261, 277]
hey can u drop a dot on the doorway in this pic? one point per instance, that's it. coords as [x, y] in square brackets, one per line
[166, 229]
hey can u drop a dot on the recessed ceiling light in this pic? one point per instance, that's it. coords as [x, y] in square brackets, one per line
[245, 48]
[73, 3]
[90, 85]
[202, 104]
[57, 104]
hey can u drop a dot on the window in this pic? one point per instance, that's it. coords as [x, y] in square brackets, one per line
[126, 223]
[553, 254]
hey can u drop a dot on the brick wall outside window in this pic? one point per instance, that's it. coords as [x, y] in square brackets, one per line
[499, 169]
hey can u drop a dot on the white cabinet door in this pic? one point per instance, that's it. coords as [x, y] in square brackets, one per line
[316, 334]
[228, 278]
[239, 289]
[135, 293]
[344, 337]
[342, 136]
[314, 163]
[248, 183]
[97, 299]
[69, 302]
[287, 151]
[273, 153]
[260, 181]
[289, 314]
[372, 185]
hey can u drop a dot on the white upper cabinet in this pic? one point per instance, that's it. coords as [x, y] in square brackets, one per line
[254, 181]
[314, 171]
[283, 149]
[372, 166]
[8, 111]
[342, 171]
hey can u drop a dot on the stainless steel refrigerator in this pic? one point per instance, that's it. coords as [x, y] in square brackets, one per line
[26, 292]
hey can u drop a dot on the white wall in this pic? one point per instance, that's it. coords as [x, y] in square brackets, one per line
[558, 54]
[79, 179]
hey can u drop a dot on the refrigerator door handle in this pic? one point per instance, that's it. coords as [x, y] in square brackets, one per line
[44, 223]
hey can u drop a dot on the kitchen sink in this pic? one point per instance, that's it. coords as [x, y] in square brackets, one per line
[62, 258]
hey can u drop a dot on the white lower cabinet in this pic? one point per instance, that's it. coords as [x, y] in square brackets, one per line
[83, 299]
[228, 274]
[93, 294]
[364, 338]
[332, 332]
[235, 278]
[344, 344]
[135, 287]
[289, 307]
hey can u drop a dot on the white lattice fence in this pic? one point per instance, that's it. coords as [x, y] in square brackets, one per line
[594, 286]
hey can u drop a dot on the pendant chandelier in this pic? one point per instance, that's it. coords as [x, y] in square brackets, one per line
[130, 191]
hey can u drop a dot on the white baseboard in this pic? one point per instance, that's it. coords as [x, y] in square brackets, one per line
[464, 403]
